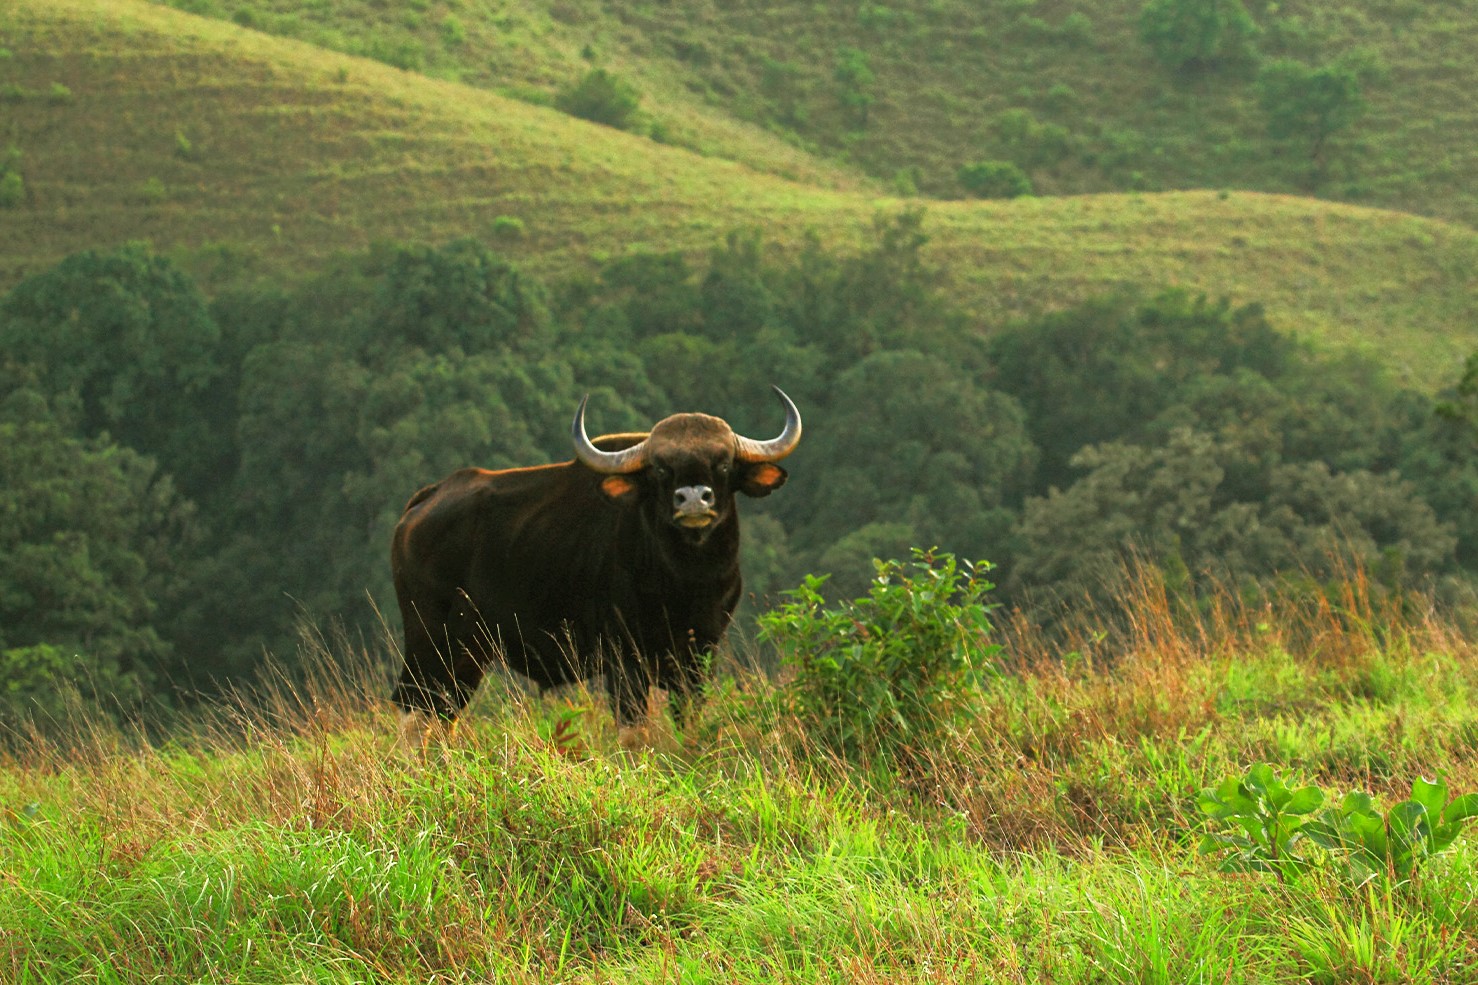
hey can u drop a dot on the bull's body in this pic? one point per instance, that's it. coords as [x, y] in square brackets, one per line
[563, 572]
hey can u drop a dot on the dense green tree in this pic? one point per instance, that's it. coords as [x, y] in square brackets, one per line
[131, 336]
[461, 297]
[378, 381]
[1310, 105]
[1441, 458]
[855, 79]
[994, 179]
[1197, 35]
[92, 535]
[911, 441]
[1219, 512]
[1104, 370]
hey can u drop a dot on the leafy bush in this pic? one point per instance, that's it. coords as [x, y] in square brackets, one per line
[1394, 844]
[600, 97]
[1306, 103]
[855, 79]
[995, 179]
[1270, 816]
[1030, 142]
[12, 189]
[1275, 826]
[1197, 35]
[880, 678]
[507, 227]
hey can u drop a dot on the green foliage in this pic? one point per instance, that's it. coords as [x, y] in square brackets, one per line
[299, 420]
[1029, 141]
[12, 189]
[1222, 513]
[1310, 104]
[1278, 823]
[855, 79]
[1461, 408]
[12, 184]
[508, 227]
[1271, 817]
[395, 49]
[1105, 368]
[93, 538]
[1394, 844]
[600, 97]
[1197, 35]
[453, 31]
[914, 442]
[130, 336]
[881, 678]
[994, 179]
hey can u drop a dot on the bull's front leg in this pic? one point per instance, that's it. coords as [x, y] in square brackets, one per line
[627, 683]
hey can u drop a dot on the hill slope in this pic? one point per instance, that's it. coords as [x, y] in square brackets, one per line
[135, 121]
[908, 91]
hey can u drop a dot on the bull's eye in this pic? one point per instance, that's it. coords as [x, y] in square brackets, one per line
[661, 473]
[724, 468]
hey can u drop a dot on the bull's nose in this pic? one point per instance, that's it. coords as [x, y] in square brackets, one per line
[692, 499]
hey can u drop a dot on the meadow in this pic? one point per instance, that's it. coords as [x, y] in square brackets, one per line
[1049, 828]
[1050, 836]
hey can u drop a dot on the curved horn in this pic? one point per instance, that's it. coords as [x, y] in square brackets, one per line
[749, 450]
[607, 462]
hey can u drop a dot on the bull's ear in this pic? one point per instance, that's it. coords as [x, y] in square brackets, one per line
[619, 488]
[761, 479]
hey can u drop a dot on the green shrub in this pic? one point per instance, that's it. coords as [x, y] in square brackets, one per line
[1272, 827]
[600, 97]
[401, 51]
[994, 179]
[1197, 35]
[855, 78]
[12, 189]
[508, 227]
[453, 31]
[1310, 104]
[880, 679]
[1030, 142]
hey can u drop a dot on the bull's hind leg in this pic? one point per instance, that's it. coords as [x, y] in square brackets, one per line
[438, 678]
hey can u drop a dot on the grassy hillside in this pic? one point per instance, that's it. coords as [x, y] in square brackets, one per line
[942, 74]
[945, 72]
[1054, 839]
[250, 153]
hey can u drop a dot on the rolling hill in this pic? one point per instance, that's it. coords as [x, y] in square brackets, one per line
[252, 155]
[907, 91]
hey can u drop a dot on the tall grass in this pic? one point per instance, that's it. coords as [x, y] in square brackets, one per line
[1051, 838]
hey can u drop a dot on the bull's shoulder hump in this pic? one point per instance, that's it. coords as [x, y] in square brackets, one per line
[619, 442]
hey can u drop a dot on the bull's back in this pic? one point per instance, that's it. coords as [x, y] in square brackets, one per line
[479, 529]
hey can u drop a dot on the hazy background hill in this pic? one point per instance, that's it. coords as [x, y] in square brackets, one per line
[939, 77]
[252, 154]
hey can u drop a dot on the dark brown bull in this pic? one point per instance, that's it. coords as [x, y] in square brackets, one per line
[624, 562]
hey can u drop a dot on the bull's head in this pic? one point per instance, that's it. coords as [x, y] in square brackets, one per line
[692, 464]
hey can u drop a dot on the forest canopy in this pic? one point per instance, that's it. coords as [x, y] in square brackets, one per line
[184, 479]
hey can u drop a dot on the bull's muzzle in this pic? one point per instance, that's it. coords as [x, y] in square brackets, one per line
[692, 506]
